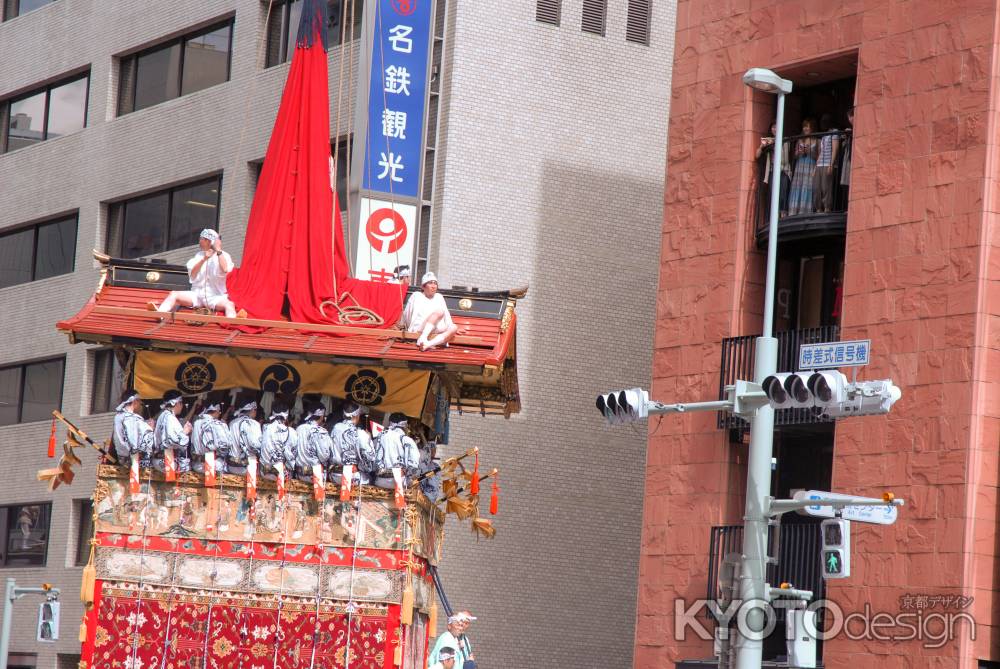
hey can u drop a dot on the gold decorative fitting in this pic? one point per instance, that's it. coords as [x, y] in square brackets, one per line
[508, 315]
[152, 276]
[465, 304]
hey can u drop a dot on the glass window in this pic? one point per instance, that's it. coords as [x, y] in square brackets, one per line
[55, 249]
[145, 228]
[27, 535]
[42, 390]
[85, 530]
[194, 208]
[67, 108]
[27, 122]
[292, 17]
[206, 60]
[51, 112]
[13, 8]
[15, 257]
[10, 393]
[157, 76]
[281, 41]
[108, 381]
[170, 219]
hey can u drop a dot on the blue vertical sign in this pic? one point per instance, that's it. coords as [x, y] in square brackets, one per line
[397, 91]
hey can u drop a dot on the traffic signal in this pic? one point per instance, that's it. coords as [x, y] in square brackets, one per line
[830, 394]
[836, 553]
[48, 621]
[624, 406]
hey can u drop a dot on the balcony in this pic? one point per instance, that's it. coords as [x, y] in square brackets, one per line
[813, 203]
[737, 363]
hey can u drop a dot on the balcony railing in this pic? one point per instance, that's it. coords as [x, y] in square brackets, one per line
[813, 197]
[797, 547]
[737, 363]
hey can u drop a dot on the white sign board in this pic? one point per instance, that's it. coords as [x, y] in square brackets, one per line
[879, 514]
[385, 240]
[833, 354]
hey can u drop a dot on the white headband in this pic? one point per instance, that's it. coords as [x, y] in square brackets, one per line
[318, 412]
[246, 408]
[279, 414]
[171, 402]
[212, 407]
[132, 398]
[400, 424]
[352, 414]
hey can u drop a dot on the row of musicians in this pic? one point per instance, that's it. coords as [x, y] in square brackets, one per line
[276, 446]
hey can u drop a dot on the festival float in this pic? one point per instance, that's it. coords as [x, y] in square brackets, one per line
[225, 571]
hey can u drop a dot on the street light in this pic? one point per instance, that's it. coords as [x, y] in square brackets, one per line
[753, 584]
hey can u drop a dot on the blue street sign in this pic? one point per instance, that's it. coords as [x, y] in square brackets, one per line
[830, 355]
[397, 92]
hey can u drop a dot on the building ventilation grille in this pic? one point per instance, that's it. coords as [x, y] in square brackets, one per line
[595, 13]
[548, 11]
[637, 25]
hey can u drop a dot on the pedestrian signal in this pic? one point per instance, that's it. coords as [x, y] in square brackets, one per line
[836, 534]
[48, 621]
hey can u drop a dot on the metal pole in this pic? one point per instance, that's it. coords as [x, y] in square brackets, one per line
[8, 614]
[753, 582]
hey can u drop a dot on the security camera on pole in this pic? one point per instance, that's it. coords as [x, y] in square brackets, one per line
[819, 386]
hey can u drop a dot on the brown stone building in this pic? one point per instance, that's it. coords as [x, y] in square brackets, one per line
[904, 250]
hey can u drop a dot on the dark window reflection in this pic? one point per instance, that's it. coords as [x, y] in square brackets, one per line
[145, 225]
[281, 43]
[194, 209]
[25, 6]
[206, 60]
[10, 394]
[27, 535]
[43, 382]
[157, 76]
[55, 249]
[67, 108]
[15, 257]
[27, 122]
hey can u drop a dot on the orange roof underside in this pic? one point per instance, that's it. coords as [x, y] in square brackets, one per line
[89, 325]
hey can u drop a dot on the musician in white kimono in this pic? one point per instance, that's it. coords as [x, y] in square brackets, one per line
[171, 436]
[132, 434]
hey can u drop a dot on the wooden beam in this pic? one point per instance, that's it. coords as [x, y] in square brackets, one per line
[187, 317]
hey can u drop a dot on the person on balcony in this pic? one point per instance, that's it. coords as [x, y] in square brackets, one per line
[800, 199]
[278, 443]
[210, 435]
[207, 271]
[132, 434]
[826, 159]
[246, 438]
[427, 313]
[171, 436]
[765, 162]
[314, 444]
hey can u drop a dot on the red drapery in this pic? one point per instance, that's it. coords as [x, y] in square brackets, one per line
[295, 244]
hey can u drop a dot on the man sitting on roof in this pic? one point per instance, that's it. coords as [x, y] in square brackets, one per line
[427, 313]
[207, 271]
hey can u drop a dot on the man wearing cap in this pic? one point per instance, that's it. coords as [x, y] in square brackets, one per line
[401, 275]
[207, 271]
[132, 434]
[278, 443]
[314, 443]
[427, 313]
[452, 639]
[246, 438]
[210, 435]
[170, 435]
[446, 659]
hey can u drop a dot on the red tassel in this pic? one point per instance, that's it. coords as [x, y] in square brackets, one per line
[474, 483]
[52, 439]
[495, 497]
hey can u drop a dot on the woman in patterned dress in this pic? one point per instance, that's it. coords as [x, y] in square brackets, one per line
[800, 200]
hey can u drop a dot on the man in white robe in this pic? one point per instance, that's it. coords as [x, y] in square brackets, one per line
[278, 443]
[427, 313]
[314, 443]
[346, 441]
[399, 451]
[210, 435]
[247, 434]
[169, 434]
[453, 638]
[207, 271]
[132, 434]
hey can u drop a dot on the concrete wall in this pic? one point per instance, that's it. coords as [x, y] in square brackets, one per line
[550, 172]
[920, 281]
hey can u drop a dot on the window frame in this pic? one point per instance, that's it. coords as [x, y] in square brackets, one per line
[82, 507]
[111, 398]
[169, 192]
[3, 10]
[20, 389]
[7, 526]
[131, 61]
[34, 227]
[285, 7]
[7, 103]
